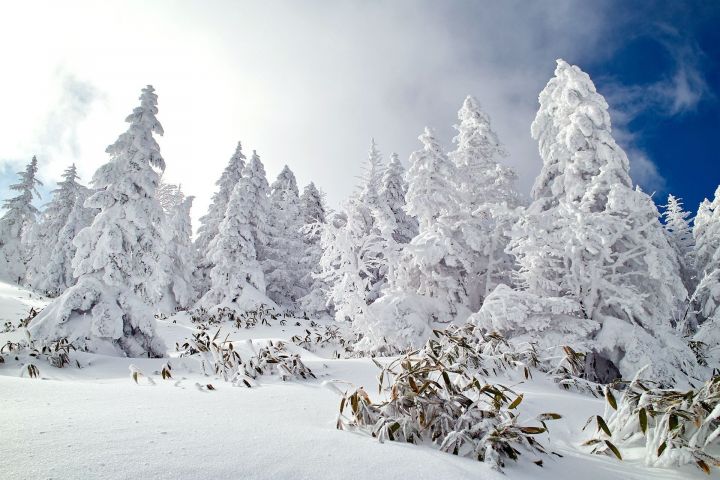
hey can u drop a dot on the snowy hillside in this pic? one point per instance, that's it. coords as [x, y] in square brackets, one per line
[96, 422]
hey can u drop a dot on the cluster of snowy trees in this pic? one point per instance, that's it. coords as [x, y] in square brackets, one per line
[588, 261]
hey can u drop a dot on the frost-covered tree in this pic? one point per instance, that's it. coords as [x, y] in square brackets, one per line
[182, 251]
[121, 264]
[679, 233]
[283, 262]
[58, 273]
[210, 222]
[589, 237]
[19, 218]
[258, 192]
[237, 279]
[489, 201]
[392, 193]
[52, 220]
[314, 213]
[706, 299]
[428, 283]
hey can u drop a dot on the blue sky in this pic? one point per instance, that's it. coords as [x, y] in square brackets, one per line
[309, 83]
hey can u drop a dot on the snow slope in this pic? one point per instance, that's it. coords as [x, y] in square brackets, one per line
[95, 422]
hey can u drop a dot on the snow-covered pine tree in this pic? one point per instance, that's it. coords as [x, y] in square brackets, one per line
[258, 192]
[20, 217]
[489, 201]
[589, 237]
[314, 213]
[237, 278]
[706, 299]
[210, 222]
[679, 231]
[52, 220]
[59, 274]
[428, 283]
[181, 249]
[121, 263]
[283, 263]
[392, 193]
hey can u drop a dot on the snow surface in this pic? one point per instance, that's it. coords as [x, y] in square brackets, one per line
[95, 422]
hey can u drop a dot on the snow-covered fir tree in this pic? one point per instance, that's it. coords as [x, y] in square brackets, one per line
[123, 270]
[58, 274]
[489, 202]
[679, 232]
[428, 283]
[237, 279]
[392, 193]
[258, 192]
[181, 249]
[210, 222]
[589, 237]
[19, 219]
[314, 213]
[170, 196]
[283, 262]
[706, 299]
[52, 220]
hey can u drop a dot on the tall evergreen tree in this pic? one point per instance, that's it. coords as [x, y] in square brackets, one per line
[590, 237]
[392, 193]
[706, 299]
[181, 250]
[210, 222]
[52, 221]
[19, 218]
[237, 276]
[121, 263]
[314, 214]
[283, 264]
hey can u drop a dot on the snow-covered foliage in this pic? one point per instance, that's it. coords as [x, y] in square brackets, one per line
[439, 394]
[210, 222]
[489, 203]
[392, 193]
[706, 298]
[170, 196]
[590, 237]
[46, 265]
[237, 278]
[428, 279]
[19, 219]
[283, 264]
[59, 273]
[314, 211]
[121, 263]
[674, 427]
[182, 252]
[679, 232]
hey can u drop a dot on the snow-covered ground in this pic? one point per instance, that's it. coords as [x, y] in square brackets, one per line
[96, 422]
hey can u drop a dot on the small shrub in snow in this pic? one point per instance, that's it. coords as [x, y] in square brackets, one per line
[436, 398]
[674, 427]
[225, 360]
[56, 353]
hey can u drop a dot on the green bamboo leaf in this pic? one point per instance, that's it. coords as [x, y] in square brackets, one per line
[643, 420]
[611, 398]
[602, 425]
[516, 402]
[614, 449]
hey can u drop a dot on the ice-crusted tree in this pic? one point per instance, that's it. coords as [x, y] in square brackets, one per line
[121, 264]
[283, 263]
[392, 193]
[237, 279]
[679, 233]
[314, 212]
[589, 237]
[58, 274]
[489, 201]
[19, 218]
[428, 283]
[258, 192]
[52, 220]
[706, 299]
[170, 196]
[181, 249]
[210, 222]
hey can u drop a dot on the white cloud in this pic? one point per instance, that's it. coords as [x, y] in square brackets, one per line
[306, 84]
